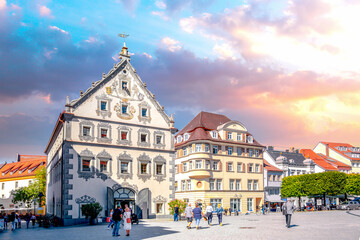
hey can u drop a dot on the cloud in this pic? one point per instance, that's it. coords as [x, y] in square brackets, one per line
[160, 4]
[130, 5]
[160, 14]
[58, 29]
[45, 11]
[147, 55]
[170, 44]
[2, 4]
[224, 51]
[175, 6]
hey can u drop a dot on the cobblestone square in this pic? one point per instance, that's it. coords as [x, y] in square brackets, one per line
[305, 225]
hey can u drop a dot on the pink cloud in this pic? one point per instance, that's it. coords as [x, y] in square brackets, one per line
[58, 29]
[45, 11]
[2, 4]
[46, 98]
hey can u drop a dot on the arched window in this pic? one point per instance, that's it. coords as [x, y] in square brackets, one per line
[124, 193]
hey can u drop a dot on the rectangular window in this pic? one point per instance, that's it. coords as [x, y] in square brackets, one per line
[235, 203]
[124, 135]
[239, 151]
[176, 185]
[249, 204]
[197, 147]
[214, 134]
[207, 164]
[218, 184]
[249, 184]
[256, 184]
[104, 133]
[215, 202]
[198, 164]
[124, 85]
[215, 166]
[103, 105]
[124, 109]
[184, 167]
[250, 152]
[257, 153]
[229, 135]
[159, 169]
[231, 184]
[2, 186]
[16, 184]
[143, 137]
[159, 208]
[185, 151]
[215, 149]
[229, 150]
[188, 185]
[230, 167]
[86, 131]
[158, 139]
[2, 196]
[190, 165]
[251, 167]
[239, 167]
[212, 184]
[238, 184]
[239, 137]
[103, 166]
[207, 148]
[144, 112]
[257, 168]
[143, 168]
[270, 178]
[183, 185]
[86, 165]
[124, 167]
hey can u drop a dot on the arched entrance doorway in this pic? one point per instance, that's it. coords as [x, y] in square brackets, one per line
[124, 196]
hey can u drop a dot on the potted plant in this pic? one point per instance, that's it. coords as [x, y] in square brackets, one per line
[91, 211]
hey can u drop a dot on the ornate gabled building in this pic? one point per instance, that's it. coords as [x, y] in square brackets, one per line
[343, 152]
[219, 161]
[113, 145]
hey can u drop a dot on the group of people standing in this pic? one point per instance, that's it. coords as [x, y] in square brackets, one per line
[118, 217]
[197, 214]
[14, 219]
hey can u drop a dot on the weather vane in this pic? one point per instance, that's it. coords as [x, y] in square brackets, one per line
[123, 35]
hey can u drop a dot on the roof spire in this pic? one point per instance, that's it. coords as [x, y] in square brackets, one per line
[124, 51]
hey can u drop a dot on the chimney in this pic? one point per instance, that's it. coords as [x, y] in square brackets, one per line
[292, 149]
[327, 149]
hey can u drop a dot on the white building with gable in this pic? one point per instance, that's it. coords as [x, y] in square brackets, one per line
[113, 145]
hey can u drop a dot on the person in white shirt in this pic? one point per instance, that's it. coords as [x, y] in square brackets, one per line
[208, 212]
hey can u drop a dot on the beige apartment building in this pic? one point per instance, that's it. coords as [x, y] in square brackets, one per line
[219, 161]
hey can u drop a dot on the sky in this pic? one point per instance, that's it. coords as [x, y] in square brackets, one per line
[287, 70]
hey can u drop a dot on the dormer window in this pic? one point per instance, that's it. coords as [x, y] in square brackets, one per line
[179, 139]
[229, 135]
[214, 134]
[186, 136]
[239, 137]
[250, 139]
[144, 112]
[103, 106]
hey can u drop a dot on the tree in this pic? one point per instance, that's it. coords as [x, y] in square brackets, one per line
[91, 210]
[353, 184]
[35, 190]
[181, 205]
[294, 186]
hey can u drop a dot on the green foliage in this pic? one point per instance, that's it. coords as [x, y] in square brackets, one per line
[91, 210]
[180, 203]
[329, 183]
[353, 184]
[31, 192]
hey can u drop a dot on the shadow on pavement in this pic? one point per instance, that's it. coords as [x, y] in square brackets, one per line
[357, 215]
[294, 225]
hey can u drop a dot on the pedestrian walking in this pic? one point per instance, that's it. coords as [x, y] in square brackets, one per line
[188, 215]
[27, 219]
[6, 220]
[226, 211]
[176, 213]
[197, 214]
[117, 216]
[12, 219]
[111, 220]
[288, 209]
[18, 221]
[209, 213]
[127, 220]
[219, 213]
[33, 219]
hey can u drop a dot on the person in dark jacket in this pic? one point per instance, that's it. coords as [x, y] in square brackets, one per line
[176, 213]
[197, 214]
[117, 216]
[12, 219]
[27, 219]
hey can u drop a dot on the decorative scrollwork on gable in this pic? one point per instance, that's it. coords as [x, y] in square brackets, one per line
[159, 199]
[104, 154]
[85, 199]
[86, 153]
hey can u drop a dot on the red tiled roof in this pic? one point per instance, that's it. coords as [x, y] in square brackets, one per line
[205, 120]
[270, 167]
[201, 126]
[25, 166]
[338, 164]
[318, 160]
[334, 146]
